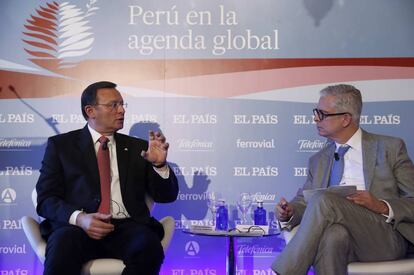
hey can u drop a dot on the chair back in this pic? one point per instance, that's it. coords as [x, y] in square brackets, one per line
[34, 197]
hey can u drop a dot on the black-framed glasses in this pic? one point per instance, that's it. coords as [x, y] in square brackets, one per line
[250, 229]
[321, 115]
[114, 105]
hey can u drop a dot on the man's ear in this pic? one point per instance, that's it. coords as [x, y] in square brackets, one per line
[90, 111]
[347, 120]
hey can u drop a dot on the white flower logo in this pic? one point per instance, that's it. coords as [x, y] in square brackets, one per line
[60, 32]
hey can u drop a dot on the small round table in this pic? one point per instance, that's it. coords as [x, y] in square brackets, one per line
[230, 235]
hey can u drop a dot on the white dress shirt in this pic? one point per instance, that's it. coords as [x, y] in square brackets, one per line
[353, 165]
[117, 206]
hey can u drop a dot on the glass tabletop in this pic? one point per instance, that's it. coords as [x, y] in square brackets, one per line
[253, 231]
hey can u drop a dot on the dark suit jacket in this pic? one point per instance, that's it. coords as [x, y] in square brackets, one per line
[69, 180]
[388, 174]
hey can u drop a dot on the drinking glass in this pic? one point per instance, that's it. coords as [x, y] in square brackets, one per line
[244, 203]
[212, 203]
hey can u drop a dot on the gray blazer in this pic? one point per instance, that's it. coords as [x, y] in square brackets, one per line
[388, 173]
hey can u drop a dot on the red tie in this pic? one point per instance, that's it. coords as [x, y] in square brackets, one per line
[104, 175]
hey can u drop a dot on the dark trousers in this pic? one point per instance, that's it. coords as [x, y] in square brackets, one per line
[139, 247]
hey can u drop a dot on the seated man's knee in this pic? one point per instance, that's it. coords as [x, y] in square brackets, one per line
[324, 200]
[63, 244]
[336, 236]
[69, 238]
[149, 251]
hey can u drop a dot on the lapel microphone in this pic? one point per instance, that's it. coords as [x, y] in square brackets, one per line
[336, 156]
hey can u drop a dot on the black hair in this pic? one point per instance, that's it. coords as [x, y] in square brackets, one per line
[89, 94]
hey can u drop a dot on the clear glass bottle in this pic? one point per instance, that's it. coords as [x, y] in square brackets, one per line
[222, 216]
[260, 214]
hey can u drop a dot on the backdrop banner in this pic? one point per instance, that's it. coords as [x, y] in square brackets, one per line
[230, 83]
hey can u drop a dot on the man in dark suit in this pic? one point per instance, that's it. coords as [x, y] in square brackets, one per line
[92, 188]
[376, 222]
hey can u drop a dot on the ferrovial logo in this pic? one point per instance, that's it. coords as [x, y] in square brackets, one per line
[192, 196]
[264, 119]
[256, 144]
[13, 249]
[8, 195]
[194, 145]
[57, 35]
[17, 118]
[389, 119]
[192, 248]
[195, 119]
[266, 171]
[306, 145]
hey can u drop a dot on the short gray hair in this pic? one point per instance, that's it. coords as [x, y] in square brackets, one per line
[347, 99]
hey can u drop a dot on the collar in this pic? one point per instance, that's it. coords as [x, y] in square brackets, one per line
[355, 141]
[95, 136]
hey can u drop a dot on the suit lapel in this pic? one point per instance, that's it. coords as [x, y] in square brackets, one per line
[369, 156]
[326, 163]
[87, 150]
[122, 154]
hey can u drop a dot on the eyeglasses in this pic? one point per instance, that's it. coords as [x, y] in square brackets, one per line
[254, 229]
[114, 105]
[320, 115]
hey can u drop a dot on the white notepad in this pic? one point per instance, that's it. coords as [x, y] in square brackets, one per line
[340, 190]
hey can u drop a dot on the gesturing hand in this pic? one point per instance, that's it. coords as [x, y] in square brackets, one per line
[369, 201]
[284, 211]
[157, 149]
[95, 224]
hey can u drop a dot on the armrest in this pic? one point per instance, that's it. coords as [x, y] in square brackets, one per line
[168, 223]
[32, 231]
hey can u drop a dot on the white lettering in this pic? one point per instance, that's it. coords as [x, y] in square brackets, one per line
[12, 224]
[255, 144]
[15, 249]
[246, 41]
[310, 145]
[17, 171]
[150, 18]
[14, 143]
[195, 170]
[255, 119]
[147, 44]
[268, 171]
[194, 145]
[17, 118]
